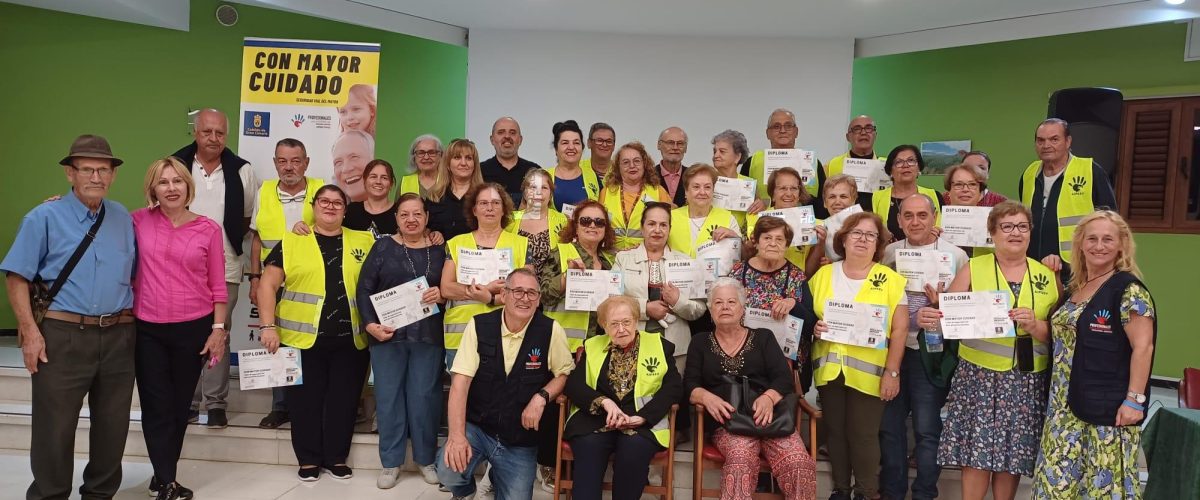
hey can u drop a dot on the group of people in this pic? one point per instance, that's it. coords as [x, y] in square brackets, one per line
[1059, 402]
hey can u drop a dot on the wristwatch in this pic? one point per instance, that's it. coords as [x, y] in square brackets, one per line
[545, 395]
[894, 373]
[1137, 398]
[218, 326]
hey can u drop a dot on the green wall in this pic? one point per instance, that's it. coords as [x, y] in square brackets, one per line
[66, 75]
[995, 95]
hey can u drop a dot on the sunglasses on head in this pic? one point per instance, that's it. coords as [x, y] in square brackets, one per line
[593, 221]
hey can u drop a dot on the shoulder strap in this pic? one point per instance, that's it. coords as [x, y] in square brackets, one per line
[74, 260]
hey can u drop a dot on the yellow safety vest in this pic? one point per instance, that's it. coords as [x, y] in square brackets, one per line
[863, 367]
[574, 323]
[298, 314]
[410, 184]
[271, 223]
[591, 184]
[881, 203]
[555, 222]
[460, 312]
[795, 255]
[629, 232]
[1074, 198]
[758, 168]
[1038, 292]
[652, 366]
[680, 238]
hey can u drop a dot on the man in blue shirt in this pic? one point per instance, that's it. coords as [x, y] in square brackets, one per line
[85, 344]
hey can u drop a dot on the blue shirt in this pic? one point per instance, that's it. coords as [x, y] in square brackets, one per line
[568, 191]
[49, 234]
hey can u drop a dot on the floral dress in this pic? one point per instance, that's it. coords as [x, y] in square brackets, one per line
[1078, 459]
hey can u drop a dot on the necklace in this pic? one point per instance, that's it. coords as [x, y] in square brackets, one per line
[412, 265]
[1106, 273]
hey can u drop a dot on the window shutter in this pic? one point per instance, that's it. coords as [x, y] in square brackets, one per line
[1148, 153]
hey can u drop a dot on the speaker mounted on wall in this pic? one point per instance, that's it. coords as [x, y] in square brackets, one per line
[1095, 117]
[227, 15]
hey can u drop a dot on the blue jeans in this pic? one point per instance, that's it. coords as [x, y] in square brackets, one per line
[408, 395]
[512, 473]
[924, 400]
[279, 399]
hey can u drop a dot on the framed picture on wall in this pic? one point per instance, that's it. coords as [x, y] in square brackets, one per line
[941, 155]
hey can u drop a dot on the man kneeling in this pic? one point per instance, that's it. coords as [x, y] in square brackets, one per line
[510, 364]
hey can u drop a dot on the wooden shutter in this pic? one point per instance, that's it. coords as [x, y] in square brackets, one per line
[1148, 153]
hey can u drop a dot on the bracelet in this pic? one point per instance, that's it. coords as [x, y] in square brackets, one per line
[492, 301]
[1133, 405]
[266, 327]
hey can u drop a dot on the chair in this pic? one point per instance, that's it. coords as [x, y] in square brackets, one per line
[564, 460]
[707, 454]
[1189, 388]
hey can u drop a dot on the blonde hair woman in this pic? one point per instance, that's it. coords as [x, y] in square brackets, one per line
[627, 189]
[458, 174]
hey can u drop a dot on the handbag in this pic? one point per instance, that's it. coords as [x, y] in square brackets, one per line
[742, 396]
[41, 296]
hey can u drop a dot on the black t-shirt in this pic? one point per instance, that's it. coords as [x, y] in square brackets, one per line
[380, 224]
[493, 171]
[335, 312]
[447, 216]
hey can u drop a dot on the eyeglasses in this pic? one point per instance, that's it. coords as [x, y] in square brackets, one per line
[283, 162]
[782, 127]
[604, 142]
[88, 172]
[523, 293]
[426, 152]
[592, 222]
[907, 162]
[673, 144]
[863, 235]
[622, 323]
[1008, 227]
[958, 186]
[327, 203]
[861, 129]
[489, 203]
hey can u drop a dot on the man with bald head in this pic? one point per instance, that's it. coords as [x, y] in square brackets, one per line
[861, 135]
[507, 168]
[225, 187]
[924, 378]
[672, 145]
[782, 132]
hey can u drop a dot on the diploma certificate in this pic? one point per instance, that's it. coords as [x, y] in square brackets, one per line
[966, 226]
[786, 330]
[734, 194]
[922, 267]
[480, 267]
[726, 252]
[800, 160]
[401, 305]
[801, 220]
[259, 369]
[867, 173]
[692, 277]
[856, 323]
[976, 315]
[587, 288]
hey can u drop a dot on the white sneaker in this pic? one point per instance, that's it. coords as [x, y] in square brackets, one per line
[429, 473]
[387, 478]
[546, 478]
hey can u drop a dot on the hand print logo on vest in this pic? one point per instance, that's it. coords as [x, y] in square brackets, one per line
[651, 365]
[1100, 320]
[359, 254]
[878, 280]
[1040, 282]
[1078, 183]
[535, 359]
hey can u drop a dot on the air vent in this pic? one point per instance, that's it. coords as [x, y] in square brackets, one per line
[227, 15]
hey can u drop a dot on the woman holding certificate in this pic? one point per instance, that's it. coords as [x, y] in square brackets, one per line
[478, 262]
[698, 221]
[904, 165]
[787, 191]
[628, 187]
[537, 220]
[318, 314]
[1103, 348]
[406, 359]
[458, 174]
[586, 244]
[965, 187]
[573, 182]
[729, 149]
[997, 398]
[857, 372]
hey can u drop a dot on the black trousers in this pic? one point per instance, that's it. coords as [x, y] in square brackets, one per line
[324, 407]
[168, 364]
[630, 455]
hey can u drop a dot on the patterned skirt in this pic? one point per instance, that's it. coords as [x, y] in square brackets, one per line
[994, 419]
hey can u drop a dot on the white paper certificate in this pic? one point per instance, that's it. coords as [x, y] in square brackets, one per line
[726, 252]
[834, 224]
[691, 277]
[801, 220]
[259, 369]
[925, 266]
[798, 159]
[786, 330]
[976, 315]
[483, 266]
[586, 289]
[867, 173]
[856, 323]
[568, 210]
[734, 194]
[401, 305]
[966, 226]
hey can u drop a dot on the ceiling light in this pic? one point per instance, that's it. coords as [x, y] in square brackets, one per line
[1175, 2]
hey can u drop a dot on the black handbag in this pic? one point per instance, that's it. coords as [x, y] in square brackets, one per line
[741, 396]
[41, 296]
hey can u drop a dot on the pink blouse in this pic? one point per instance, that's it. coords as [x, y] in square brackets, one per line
[180, 270]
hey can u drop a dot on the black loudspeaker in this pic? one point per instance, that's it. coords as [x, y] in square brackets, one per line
[1095, 117]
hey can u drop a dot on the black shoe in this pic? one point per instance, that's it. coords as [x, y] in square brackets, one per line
[193, 418]
[173, 491]
[217, 419]
[840, 495]
[340, 471]
[310, 474]
[274, 419]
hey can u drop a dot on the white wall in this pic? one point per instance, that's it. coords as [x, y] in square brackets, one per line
[643, 84]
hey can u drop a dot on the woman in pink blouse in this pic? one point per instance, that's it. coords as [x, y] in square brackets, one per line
[178, 289]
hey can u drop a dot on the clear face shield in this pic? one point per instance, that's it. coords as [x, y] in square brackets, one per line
[536, 196]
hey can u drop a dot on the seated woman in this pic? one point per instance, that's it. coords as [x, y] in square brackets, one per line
[733, 349]
[623, 387]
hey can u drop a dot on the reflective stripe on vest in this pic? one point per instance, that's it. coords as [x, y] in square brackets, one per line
[298, 314]
[1038, 292]
[862, 367]
[680, 238]
[652, 366]
[270, 222]
[1074, 198]
[460, 312]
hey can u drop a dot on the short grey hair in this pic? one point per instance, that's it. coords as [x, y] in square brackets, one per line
[932, 206]
[781, 110]
[412, 149]
[726, 281]
[508, 282]
[735, 139]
